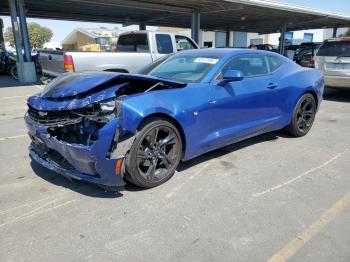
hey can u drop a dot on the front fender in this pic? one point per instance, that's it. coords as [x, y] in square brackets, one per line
[134, 110]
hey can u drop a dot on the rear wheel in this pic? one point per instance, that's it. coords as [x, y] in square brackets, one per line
[303, 116]
[154, 155]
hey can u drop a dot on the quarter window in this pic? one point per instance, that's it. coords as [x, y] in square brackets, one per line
[164, 44]
[274, 63]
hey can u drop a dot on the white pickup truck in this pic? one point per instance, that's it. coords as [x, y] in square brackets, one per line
[134, 50]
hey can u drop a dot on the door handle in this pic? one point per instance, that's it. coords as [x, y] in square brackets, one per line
[50, 57]
[272, 86]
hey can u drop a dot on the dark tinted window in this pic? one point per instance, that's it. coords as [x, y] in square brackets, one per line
[183, 43]
[274, 63]
[164, 44]
[133, 43]
[334, 49]
[249, 65]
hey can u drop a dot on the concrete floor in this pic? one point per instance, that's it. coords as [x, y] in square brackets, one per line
[270, 197]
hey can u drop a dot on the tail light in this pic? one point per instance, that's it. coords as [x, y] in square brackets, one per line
[68, 63]
[311, 63]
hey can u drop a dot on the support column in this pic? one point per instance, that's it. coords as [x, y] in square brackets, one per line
[142, 26]
[2, 32]
[15, 29]
[24, 31]
[25, 70]
[195, 26]
[335, 29]
[227, 38]
[282, 40]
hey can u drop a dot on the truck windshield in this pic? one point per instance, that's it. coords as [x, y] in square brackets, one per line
[334, 49]
[187, 68]
[133, 43]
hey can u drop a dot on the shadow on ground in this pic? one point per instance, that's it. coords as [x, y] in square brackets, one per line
[337, 95]
[95, 191]
[7, 81]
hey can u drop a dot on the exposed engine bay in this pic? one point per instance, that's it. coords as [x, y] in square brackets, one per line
[81, 120]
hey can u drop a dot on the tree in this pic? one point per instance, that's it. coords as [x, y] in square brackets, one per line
[38, 35]
[347, 33]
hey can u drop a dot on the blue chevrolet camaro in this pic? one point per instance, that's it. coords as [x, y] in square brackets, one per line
[105, 127]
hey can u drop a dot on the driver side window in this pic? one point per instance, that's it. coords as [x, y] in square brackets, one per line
[249, 65]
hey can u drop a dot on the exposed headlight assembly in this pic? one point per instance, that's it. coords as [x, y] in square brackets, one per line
[118, 107]
[113, 106]
[107, 106]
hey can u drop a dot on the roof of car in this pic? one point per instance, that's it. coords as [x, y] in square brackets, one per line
[339, 39]
[224, 51]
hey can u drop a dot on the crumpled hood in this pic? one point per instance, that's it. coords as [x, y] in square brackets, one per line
[73, 84]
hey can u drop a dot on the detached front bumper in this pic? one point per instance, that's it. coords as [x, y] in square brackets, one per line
[81, 162]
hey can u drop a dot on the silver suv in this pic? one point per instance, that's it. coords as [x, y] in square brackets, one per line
[333, 59]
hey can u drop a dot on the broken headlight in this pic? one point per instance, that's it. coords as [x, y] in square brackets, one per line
[107, 106]
[111, 106]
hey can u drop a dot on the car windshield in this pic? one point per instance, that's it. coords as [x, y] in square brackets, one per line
[187, 68]
[334, 49]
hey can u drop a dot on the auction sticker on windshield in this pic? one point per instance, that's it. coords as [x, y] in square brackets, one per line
[206, 60]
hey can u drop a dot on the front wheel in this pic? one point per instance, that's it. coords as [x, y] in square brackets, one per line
[154, 155]
[303, 116]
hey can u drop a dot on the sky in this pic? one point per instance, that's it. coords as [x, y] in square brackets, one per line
[62, 28]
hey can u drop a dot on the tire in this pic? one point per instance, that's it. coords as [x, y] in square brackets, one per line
[303, 116]
[154, 154]
[13, 72]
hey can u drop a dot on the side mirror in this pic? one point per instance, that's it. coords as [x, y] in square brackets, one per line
[231, 76]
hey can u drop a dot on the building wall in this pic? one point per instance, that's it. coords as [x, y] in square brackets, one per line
[328, 33]
[319, 35]
[81, 40]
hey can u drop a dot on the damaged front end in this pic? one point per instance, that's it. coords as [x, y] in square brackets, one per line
[75, 125]
[77, 144]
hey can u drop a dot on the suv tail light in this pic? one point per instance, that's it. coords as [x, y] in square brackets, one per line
[68, 63]
[311, 63]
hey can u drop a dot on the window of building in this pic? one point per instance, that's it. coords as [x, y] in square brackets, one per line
[308, 37]
[208, 44]
[288, 35]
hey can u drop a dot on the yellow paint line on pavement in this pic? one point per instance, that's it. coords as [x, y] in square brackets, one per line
[292, 247]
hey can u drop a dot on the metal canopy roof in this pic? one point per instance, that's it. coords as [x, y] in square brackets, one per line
[236, 15]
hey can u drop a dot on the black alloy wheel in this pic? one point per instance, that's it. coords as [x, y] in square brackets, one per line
[304, 116]
[155, 154]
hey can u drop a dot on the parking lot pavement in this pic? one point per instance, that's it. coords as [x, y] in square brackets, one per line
[268, 198]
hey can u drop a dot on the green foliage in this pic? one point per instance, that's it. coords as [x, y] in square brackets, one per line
[346, 34]
[38, 35]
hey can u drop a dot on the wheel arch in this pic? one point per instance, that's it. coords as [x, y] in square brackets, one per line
[313, 93]
[116, 70]
[170, 119]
